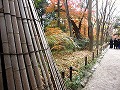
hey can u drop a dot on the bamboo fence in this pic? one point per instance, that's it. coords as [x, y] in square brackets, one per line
[26, 62]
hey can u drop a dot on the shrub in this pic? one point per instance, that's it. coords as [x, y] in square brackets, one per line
[51, 40]
[81, 43]
[58, 40]
[74, 84]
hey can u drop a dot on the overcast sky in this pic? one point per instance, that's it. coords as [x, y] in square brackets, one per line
[117, 5]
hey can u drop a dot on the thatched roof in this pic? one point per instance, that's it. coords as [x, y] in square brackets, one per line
[26, 62]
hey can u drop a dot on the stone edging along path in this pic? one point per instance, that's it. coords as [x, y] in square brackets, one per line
[89, 73]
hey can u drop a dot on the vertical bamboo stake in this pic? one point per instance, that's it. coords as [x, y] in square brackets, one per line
[6, 6]
[30, 46]
[29, 68]
[20, 57]
[19, 50]
[13, 50]
[37, 54]
[42, 60]
[39, 47]
[1, 7]
[48, 56]
[1, 78]
[20, 27]
[52, 66]
[7, 61]
[33, 56]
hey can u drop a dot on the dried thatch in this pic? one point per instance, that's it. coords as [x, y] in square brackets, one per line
[26, 62]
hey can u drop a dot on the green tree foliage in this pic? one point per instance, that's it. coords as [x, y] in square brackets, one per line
[40, 6]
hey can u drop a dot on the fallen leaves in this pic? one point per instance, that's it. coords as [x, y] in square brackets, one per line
[75, 59]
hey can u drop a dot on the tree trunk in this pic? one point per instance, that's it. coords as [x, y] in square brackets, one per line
[58, 22]
[68, 17]
[76, 30]
[103, 23]
[102, 36]
[90, 27]
[97, 28]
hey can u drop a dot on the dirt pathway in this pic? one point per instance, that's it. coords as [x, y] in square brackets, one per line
[107, 74]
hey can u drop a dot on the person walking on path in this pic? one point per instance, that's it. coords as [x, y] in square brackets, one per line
[118, 43]
[107, 73]
[115, 43]
[111, 43]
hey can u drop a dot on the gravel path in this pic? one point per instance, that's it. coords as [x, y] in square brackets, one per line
[107, 74]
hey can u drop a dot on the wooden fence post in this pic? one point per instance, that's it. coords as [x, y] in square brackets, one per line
[97, 52]
[85, 60]
[63, 74]
[93, 55]
[70, 73]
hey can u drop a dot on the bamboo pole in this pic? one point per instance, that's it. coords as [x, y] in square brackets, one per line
[42, 61]
[30, 71]
[54, 71]
[19, 49]
[21, 9]
[28, 62]
[6, 6]
[35, 45]
[1, 78]
[12, 7]
[39, 48]
[33, 57]
[12, 48]
[38, 56]
[13, 51]
[17, 9]
[20, 13]
[7, 61]
[24, 49]
[29, 44]
[1, 6]
[31, 48]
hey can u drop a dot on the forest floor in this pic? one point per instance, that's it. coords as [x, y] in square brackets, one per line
[74, 59]
[107, 73]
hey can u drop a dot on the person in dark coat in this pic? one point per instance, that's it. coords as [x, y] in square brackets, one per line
[119, 43]
[115, 43]
[111, 43]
